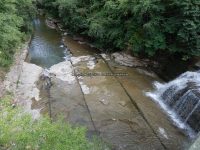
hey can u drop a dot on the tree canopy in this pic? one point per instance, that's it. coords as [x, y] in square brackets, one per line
[144, 26]
[15, 22]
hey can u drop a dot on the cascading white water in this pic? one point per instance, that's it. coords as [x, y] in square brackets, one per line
[180, 98]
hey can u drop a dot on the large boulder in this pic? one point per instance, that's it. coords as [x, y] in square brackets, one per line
[128, 60]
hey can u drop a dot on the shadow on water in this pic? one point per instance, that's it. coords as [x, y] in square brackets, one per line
[46, 47]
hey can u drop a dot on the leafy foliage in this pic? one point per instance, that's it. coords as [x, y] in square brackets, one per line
[15, 22]
[145, 26]
[18, 132]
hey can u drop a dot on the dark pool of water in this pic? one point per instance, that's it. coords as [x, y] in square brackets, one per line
[46, 46]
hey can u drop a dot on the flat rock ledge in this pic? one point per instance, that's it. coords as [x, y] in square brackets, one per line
[21, 82]
[130, 61]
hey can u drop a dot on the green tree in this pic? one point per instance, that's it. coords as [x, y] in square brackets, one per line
[15, 22]
[145, 26]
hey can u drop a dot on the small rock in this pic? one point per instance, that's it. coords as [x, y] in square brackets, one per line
[91, 65]
[197, 65]
[105, 102]
[81, 43]
[122, 103]
[146, 72]
[91, 45]
[65, 33]
[78, 38]
[13, 105]
[106, 57]
[50, 24]
[113, 119]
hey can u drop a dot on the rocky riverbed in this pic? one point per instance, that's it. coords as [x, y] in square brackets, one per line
[95, 90]
[109, 104]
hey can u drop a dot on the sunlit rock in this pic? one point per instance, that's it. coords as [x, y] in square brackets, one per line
[63, 71]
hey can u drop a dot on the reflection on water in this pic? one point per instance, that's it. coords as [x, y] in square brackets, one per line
[45, 48]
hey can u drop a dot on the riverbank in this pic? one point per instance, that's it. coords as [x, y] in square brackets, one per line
[161, 64]
[112, 31]
[11, 74]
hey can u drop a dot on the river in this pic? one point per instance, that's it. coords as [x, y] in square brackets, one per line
[46, 45]
[112, 107]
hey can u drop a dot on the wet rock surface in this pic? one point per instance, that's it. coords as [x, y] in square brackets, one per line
[122, 126]
[114, 107]
[135, 84]
[78, 49]
[52, 23]
[104, 104]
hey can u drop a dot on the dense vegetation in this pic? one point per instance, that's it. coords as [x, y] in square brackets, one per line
[15, 23]
[143, 26]
[18, 131]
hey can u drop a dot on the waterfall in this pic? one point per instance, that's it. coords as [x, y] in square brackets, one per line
[180, 99]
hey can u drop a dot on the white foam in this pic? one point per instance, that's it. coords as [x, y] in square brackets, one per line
[180, 83]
